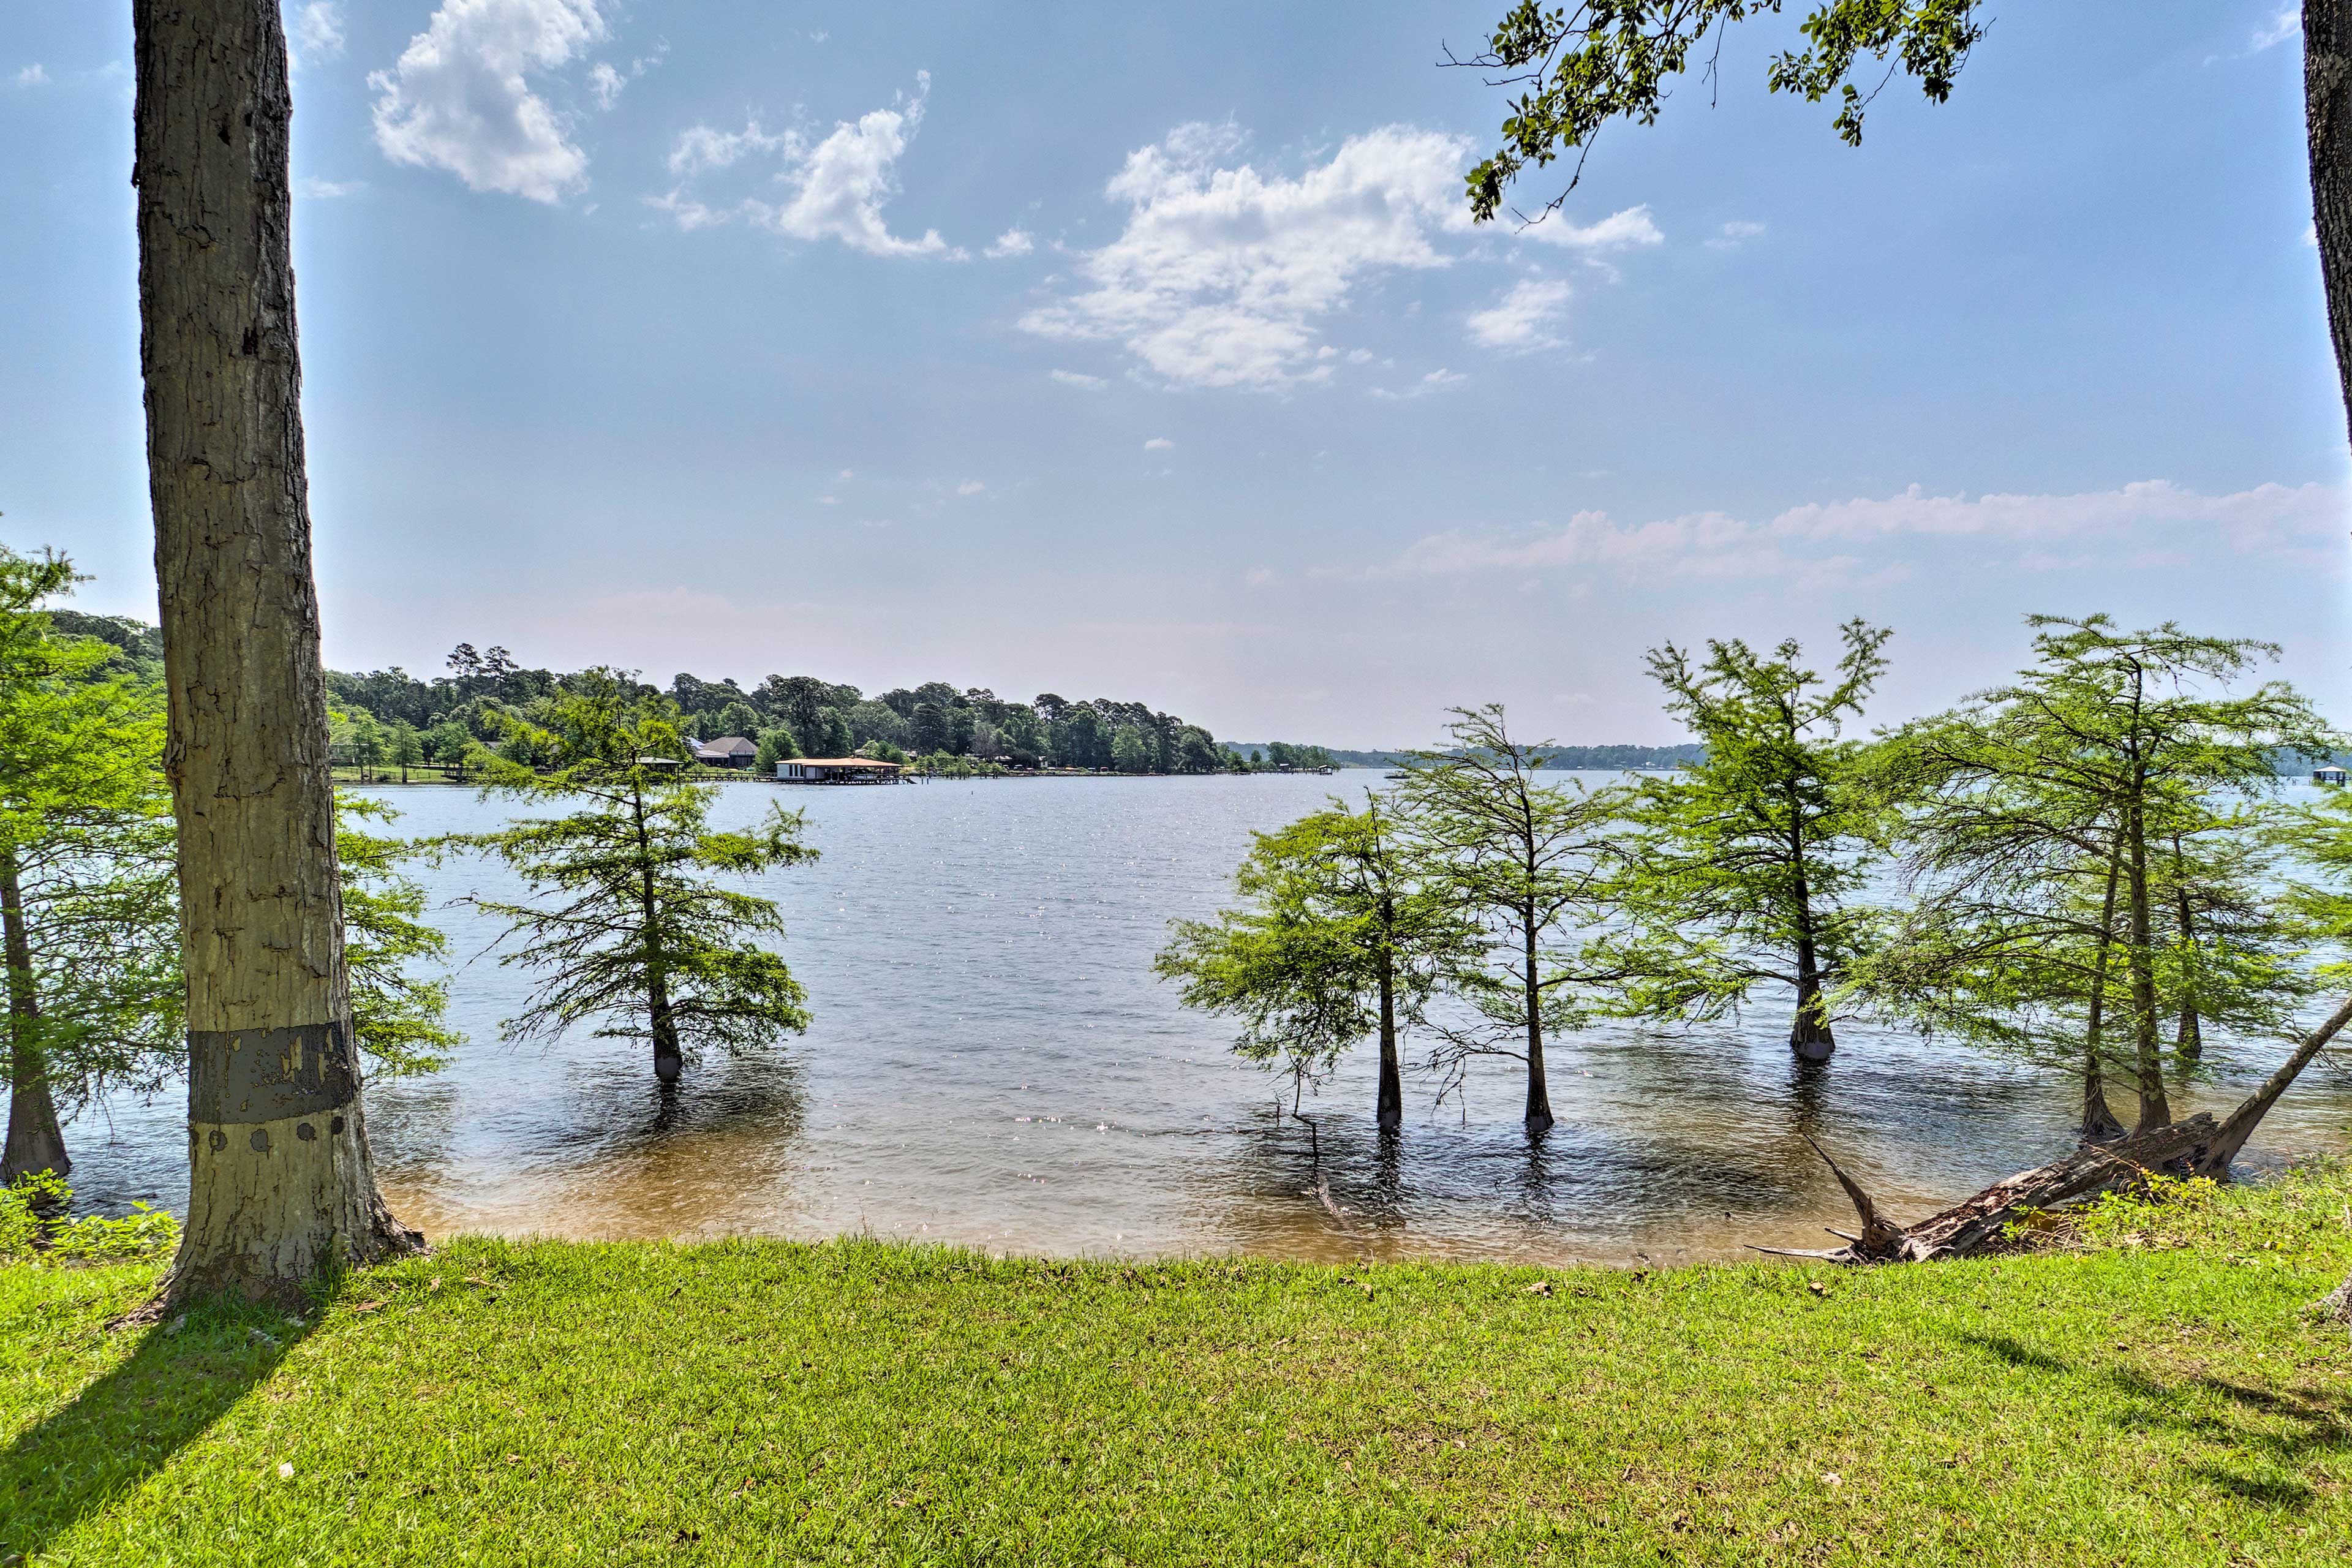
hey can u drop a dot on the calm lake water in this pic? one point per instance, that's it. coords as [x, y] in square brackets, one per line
[993, 1064]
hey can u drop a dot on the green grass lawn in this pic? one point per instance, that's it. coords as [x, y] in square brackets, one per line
[2163, 1398]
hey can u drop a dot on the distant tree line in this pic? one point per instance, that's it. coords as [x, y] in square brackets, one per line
[389, 718]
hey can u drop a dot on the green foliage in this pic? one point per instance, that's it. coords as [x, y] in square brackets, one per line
[1740, 868]
[397, 1017]
[628, 930]
[2084, 842]
[1348, 928]
[1529, 862]
[36, 1226]
[1580, 66]
[85, 852]
[776, 745]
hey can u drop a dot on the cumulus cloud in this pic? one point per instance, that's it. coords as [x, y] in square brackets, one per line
[317, 32]
[32, 75]
[1734, 234]
[1013, 242]
[836, 187]
[606, 82]
[1524, 318]
[2154, 521]
[1082, 382]
[1157, 444]
[458, 98]
[1225, 273]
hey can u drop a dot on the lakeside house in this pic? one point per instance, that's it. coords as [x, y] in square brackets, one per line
[727, 751]
[838, 770]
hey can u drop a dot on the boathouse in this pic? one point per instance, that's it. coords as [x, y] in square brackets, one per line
[837, 771]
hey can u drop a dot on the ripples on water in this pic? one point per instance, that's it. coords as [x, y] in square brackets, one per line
[993, 1064]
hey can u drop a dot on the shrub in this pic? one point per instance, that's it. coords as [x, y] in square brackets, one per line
[36, 1229]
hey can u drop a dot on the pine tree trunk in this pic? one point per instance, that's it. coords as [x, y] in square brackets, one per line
[1390, 1116]
[35, 1142]
[281, 1189]
[1539, 1115]
[2100, 1123]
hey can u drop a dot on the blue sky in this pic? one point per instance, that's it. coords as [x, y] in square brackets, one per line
[1148, 351]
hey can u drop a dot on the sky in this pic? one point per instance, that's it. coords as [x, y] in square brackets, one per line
[1149, 351]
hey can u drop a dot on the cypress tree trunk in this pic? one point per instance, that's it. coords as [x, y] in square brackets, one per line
[2154, 1108]
[281, 1189]
[1539, 1116]
[1809, 1031]
[34, 1141]
[1389, 1115]
[2100, 1124]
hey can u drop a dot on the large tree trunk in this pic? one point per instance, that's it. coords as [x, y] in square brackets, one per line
[1389, 1114]
[34, 1141]
[280, 1188]
[2327, 127]
[1539, 1113]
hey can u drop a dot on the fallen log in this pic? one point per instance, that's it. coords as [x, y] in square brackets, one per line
[2199, 1146]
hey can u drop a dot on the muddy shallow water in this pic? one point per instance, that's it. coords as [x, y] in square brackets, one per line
[992, 1063]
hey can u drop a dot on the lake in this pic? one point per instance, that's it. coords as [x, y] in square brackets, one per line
[993, 1064]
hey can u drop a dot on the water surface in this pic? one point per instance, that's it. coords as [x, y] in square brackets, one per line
[991, 1063]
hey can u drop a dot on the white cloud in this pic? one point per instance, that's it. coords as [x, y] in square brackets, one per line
[1524, 318]
[2287, 24]
[607, 83]
[2147, 523]
[33, 75]
[1223, 275]
[457, 99]
[1617, 231]
[327, 190]
[838, 186]
[1437, 380]
[970, 488]
[1083, 383]
[1012, 242]
[1157, 444]
[1734, 234]
[317, 32]
[846, 475]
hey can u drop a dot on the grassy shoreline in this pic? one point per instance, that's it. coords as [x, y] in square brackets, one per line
[2161, 1397]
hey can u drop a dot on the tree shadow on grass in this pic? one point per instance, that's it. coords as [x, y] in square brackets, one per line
[2290, 1430]
[125, 1425]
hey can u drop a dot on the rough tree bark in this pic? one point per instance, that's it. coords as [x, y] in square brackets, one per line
[281, 1190]
[2148, 1068]
[35, 1141]
[2327, 128]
